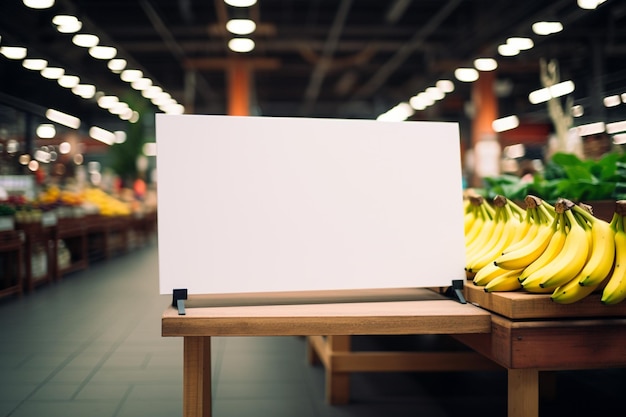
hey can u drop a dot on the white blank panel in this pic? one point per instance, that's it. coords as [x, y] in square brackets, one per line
[254, 204]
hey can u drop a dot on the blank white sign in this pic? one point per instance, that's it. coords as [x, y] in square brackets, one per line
[255, 204]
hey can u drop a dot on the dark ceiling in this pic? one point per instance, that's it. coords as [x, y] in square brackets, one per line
[322, 58]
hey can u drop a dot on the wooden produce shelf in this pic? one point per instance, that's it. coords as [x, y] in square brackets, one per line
[73, 233]
[519, 305]
[11, 263]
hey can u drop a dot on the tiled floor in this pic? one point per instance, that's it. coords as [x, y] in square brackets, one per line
[90, 346]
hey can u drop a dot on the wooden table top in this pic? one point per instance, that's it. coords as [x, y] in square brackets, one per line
[350, 312]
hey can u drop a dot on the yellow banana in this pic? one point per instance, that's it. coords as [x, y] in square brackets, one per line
[572, 292]
[572, 257]
[602, 257]
[554, 247]
[488, 273]
[505, 282]
[510, 226]
[615, 290]
[525, 255]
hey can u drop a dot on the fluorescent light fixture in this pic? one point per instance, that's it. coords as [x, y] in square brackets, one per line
[102, 135]
[400, 112]
[38, 4]
[240, 3]
[545, 28]
[505, 123]
[141, 84]
[619, 139]
[545, 94]
[589, 4]
[612, 101]
[102, 52]
[63, 118]
[435, 93]
[151, 92]
[485, 64]
[616, 127]
[67, 23]
[34, 64]
[52, 73]
[240, 26]
[85, 40]
[590, 129]
[117, 65]
[577, 110]
[13, 52]
[84, 90]
[508, 50]
[241, 45]
[466, 75]
[520, 43]
[130, 75]
[68, 81]
[446, 86]
[106, 102]
[46, 131]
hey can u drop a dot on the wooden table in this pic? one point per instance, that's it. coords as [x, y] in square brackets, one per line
[530, 333]
[323, 313]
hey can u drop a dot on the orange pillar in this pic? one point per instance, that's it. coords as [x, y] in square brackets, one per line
[484, 139]
[238, 88]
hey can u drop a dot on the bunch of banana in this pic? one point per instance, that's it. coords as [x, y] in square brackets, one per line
[503, 276]
[615, 288]
[506, 227]
[599, 263]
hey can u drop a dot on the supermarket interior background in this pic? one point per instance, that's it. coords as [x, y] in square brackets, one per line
[80, 84]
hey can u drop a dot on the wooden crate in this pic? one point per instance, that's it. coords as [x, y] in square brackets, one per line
[520, 305]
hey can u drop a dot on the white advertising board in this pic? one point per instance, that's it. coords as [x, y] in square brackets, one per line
[256, 204]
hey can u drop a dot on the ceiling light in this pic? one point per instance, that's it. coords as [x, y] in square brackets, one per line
[68, 81]
[117, 65]
[84, 90]
[434, 93]
[131, 75]
[446, 86]
[46, 131]
[34, 64]
[612, 101]
[505, 123]
[485, 64]
[102, 52]
[466, 75]
[38, 4]
[67, 23]
[85, 40]
[63, 118]
[240, 3]
[547, 28]
[520, 43]
[545, 94]
[589, 4]
[151, 92]
[241, 26]
[141, 84]
[507, 50]
[102, 135]
[591, 129]
[106, 102]
[13, 52]
[52, 73]
[616, 127]
[241, 45]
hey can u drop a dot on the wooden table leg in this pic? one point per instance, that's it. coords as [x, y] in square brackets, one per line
[337, 383]
[523, 396]
[197, 376]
